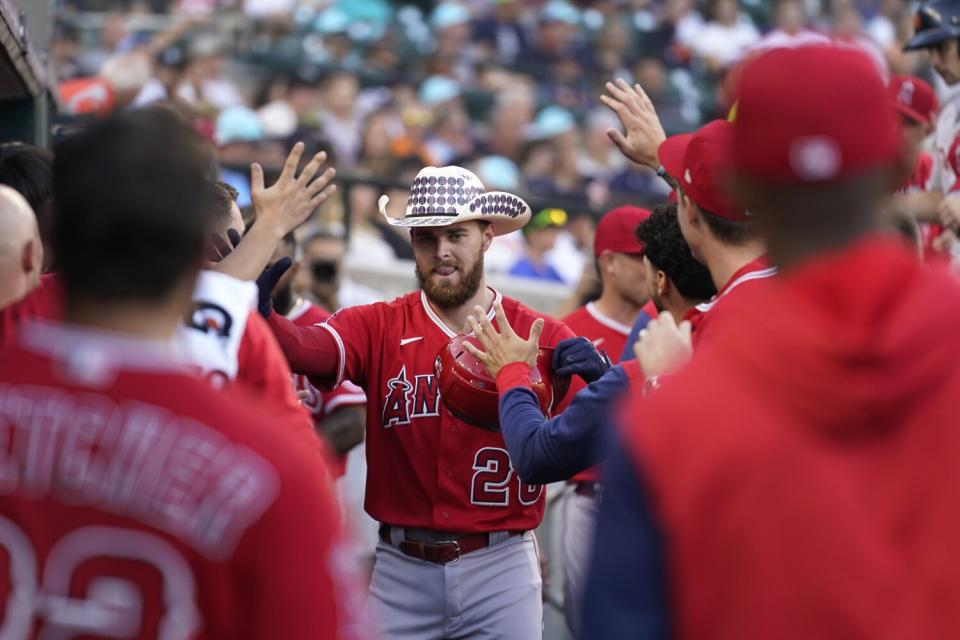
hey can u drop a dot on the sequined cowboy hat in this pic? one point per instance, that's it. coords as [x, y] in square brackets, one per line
[446, 195]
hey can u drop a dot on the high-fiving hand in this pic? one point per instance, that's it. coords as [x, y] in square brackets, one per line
[503, 347]
[644, 133]
[664, 346]
[289, 201]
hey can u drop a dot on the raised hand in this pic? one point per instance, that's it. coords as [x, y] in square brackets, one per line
[663, 346]
[643, 131]
[289, 201]
[503, 347]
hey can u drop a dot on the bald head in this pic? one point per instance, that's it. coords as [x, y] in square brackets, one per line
[21, 252]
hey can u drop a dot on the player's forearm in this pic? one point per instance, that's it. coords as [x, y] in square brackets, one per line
[310, 351]
[252, 255]
[524, 431]
[921, 205]
[344, 428]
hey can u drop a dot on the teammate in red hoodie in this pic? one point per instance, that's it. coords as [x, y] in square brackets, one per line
[808, 490]
[136, 501]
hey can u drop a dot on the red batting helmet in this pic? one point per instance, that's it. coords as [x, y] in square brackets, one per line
[470, 394]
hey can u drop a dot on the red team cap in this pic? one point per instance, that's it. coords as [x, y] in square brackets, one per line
[913, 98]
[616, 231]
[813, 115]
[699, 162]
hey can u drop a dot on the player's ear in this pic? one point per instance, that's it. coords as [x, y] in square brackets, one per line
[31, 257]
[604, 261]
[487, 230]
[663, 285]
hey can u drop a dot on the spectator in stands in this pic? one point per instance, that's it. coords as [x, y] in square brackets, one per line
[513, 112]
[500, 34]
[204, 85]
[554, 171]
[323, 255]
[450, 22]
[342, 122]
[726, 37]
[238, 134]
[449, 136]
[541, 235]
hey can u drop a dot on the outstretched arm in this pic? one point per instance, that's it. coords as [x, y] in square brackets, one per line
[310, 351]
[543, 450]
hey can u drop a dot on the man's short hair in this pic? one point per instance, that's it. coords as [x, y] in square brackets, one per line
[130, 195]
[730, 232]
[664, 246]
[222, 197]
[29, 171]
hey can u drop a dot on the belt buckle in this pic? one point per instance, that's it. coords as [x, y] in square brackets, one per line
[456, 546]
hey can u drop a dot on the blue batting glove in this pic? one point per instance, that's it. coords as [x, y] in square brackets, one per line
[580, 356]
[266, 283]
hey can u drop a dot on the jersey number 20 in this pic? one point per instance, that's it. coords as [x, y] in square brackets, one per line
[492, 475]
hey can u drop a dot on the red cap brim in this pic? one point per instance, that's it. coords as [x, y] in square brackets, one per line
[671, 154]
[914, 115]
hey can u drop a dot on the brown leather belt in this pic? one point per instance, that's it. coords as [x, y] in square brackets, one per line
[441, 551]
[588, 489]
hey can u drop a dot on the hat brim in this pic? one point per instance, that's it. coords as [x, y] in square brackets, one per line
[502, 223]
[928, 38]
[913, 114]
[671, 153]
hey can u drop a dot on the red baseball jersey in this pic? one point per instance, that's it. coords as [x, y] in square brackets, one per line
[259, 363]
[427, 468]
[45, 302]
[607, 334]
[321, 404]
[919, 180]
[810, 491]
[703, 316]
[137, 501]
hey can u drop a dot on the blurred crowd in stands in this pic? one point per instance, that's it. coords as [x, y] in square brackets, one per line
[509, 89]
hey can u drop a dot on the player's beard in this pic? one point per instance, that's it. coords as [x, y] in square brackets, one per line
[452, 296]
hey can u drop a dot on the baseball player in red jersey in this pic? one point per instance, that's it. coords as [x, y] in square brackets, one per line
[917, 105]
[807, 493]
[137, 501]
[339, 414]
[606, 322]
[457, 556]
[721, 235]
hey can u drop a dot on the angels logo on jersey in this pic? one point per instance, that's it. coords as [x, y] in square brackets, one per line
[406, 400]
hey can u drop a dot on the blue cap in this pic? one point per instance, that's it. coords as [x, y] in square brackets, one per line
[551, 122]
[560, 11]
[331, 21]
[448, 14]
[437, 89]
[497, 172]
[238, 124]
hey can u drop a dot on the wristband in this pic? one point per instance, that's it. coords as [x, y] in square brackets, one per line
[515, 374]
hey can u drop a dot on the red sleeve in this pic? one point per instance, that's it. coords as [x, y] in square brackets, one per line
[263, 369]
[296, 563]
[310, 351]
[45, 301]
[357, 333]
